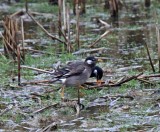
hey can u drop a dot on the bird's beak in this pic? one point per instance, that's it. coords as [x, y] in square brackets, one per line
[99, 82]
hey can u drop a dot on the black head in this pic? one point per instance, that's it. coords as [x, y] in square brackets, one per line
[97, 72]
[91, 61]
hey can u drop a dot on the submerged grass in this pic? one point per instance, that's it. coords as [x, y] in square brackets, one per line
[17, 118]
[7, 69]
[42, 7]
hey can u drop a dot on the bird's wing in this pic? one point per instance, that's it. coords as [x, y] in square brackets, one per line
[72, 68]
[60, 72]
[74, 64]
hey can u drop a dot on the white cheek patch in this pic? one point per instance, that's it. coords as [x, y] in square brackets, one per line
[63, 80]
[95, 72]
[89, 62]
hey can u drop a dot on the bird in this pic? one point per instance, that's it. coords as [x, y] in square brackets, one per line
[98, 73]
[75, 73]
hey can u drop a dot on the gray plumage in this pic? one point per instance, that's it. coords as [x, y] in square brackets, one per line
[76, 73]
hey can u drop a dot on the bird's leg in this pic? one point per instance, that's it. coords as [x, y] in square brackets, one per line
[62, 92]
[81, 87]
[79, 105]
[78, 94]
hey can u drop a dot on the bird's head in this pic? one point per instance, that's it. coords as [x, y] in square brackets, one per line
[91, 61]
[98, 73]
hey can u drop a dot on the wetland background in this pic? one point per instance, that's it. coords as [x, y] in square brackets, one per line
[132, 106]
